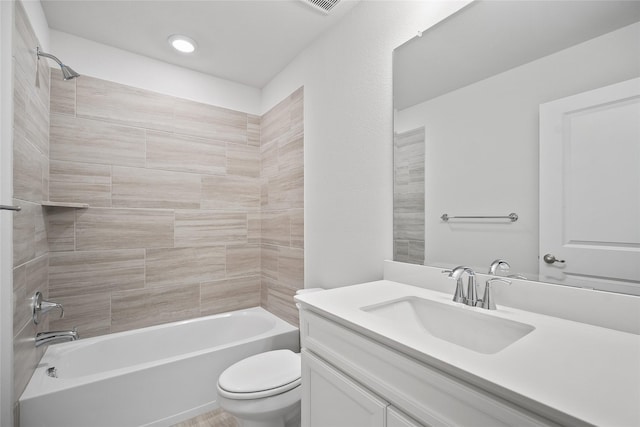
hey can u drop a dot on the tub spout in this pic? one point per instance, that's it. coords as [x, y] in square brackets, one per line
[52, 337]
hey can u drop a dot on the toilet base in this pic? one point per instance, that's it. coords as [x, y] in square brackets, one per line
[282, 410]
[292, 421]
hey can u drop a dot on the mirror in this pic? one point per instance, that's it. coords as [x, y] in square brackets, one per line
[467, 99]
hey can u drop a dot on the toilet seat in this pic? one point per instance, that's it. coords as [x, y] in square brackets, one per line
[262, 375]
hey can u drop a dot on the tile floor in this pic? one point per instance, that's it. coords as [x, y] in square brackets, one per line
[217, 418]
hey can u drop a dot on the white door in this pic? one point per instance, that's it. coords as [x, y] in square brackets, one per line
[590, 189]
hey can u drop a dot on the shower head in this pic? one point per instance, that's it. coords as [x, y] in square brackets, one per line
[67, 72]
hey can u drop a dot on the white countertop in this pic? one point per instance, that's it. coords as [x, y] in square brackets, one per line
[587, 372]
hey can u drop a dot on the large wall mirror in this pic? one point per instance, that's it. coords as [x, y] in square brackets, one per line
[529, 108]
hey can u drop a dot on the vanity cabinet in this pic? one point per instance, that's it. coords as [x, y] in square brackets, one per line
[352, 380]
[339, 401]
[396, 418]
[332, 399]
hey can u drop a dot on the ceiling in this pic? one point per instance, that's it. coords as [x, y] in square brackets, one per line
[245, 41]
[489, 37]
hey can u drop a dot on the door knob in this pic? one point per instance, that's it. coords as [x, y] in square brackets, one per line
[550, 259]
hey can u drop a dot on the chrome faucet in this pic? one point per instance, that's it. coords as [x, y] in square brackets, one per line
[53, 337]
[471, 297]
[498, 264]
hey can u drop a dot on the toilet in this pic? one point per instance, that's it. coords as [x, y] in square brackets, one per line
[263, 390]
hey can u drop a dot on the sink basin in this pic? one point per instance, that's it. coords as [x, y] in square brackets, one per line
[462, 326]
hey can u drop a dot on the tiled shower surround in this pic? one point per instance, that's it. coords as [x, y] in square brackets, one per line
[194, 209]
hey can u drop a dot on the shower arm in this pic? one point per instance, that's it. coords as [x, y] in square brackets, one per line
[47, 55]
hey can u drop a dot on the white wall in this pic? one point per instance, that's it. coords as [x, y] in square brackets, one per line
[94, 59]
[348, 149]
[482, 149]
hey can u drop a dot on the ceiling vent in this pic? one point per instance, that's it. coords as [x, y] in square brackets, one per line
[323, 6]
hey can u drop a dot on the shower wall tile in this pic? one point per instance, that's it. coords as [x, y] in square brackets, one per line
[286, 190]
[243, 160]
[37, 275]
[276, 228]
[21, 303]
[253, 130]
[37, 122]
[296, 113]
[243, 260]
[230, 192]
[25, 358]
[60, 229]
[95, 272]
[269, 261]
[207, 121]
[185, 153]
[254, 227]
[153, 306]
[297, 228]
[291, 267]
[41, 245]
[24, 41]
[27, 170]
[29, 278]
[89, 313]
[290, 154]
[229, 295]
[92, 141]
[80, 183]
[45, 178]
[184, 265]
[24, 232]
[205, 228]
[21, 88]
[269, 159]
[276, 122]
[103, 228]
[148, 188]
[279, 301]
[63, 94]
[117, 103]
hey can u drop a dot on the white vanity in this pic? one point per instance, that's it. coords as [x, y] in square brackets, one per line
[391, 354]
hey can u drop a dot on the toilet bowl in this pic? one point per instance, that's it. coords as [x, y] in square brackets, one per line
[263, 390]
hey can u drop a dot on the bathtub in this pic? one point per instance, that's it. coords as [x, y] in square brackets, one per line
[154, 376]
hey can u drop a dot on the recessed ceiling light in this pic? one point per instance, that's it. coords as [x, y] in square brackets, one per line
[182, 44]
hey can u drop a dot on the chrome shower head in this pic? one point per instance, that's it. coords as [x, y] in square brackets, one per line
[67, 72]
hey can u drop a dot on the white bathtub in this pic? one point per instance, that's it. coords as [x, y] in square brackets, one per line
[154, 376]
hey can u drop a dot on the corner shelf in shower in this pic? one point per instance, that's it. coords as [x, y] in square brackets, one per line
[51, 204]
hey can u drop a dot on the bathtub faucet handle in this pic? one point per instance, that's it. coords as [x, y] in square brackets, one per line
[39, 307]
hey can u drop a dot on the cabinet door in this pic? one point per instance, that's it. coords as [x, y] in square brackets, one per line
[396, 418]
[329, 398]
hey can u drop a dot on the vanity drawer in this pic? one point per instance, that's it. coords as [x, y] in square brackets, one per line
[424, 393]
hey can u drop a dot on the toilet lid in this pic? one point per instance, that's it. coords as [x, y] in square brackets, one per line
[265, 374]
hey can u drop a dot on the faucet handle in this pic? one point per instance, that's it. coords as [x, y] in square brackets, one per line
[487, 299]
[39, 307]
